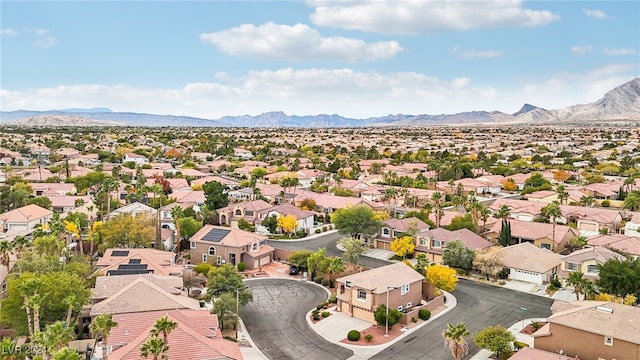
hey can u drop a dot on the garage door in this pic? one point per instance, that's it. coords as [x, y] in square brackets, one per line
[265, 260]
[527, 276]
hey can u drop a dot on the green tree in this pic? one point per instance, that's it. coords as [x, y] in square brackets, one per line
[335, 267]
[127, 231]
[353, 248]
[41, 201]
[632, 201]
[271, 223]
[576, 280]
[216, 195]
[456, 254]
[224, 306]
[619, 277]
[154, 347]
[189, 226]
[422, 263]
[505, 238]
[578, 242]
[163, 326]
[299, 258]
[67, 354]
[380, 315]
[101, 326]
[317, 261]
[356, 220]
[503, 212]
[55, 337]
[225, 279]
[495, 338]
[454, 340]
[553, 212]
[462, 222]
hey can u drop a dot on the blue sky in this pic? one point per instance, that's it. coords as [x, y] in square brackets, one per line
[354, 58]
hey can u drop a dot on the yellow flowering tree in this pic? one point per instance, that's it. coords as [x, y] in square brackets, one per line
[403, 246]
[287, 223]
[442, 277]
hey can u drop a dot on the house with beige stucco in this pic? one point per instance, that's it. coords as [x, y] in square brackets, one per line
[586, 261]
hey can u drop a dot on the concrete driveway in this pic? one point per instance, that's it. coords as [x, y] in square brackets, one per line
[276, 320]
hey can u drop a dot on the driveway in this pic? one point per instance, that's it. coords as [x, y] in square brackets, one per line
[276, 321]
[479, 306]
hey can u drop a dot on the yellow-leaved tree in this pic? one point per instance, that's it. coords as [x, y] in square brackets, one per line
[287, 223]
[629, 299]
[403, 246]
[442, 277]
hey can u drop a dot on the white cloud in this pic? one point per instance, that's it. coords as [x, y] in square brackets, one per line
[297, 42]
[581, 49]
[426, 17]
[615, 52]
[46, 42]
[596, 14]
[41, 32]
[8, 32]
[474, 54]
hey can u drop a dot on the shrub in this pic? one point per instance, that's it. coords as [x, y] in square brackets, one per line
[414, 320]
[536, 325]
[353, 335]
[316, 317]
[325, 314]
[368, 337]
[555, 282]
[324, 228]
[325, 282]
[230, 338]
[333, 299]
[552, 287]
[301, 234]
[319, 307]
[242, 266]
[318, 231]
[318, 279]
[519, 345]
[606, 203]
[316, 311]
[202, 268]
[504, 273]
[424, 314]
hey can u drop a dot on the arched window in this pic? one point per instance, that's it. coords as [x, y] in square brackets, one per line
[212, 251]
[238, 212]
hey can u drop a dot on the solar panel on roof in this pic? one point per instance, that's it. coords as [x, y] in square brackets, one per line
[132, 266]
[128, 272]
[120, 253]
[135, 261]
[216, 235]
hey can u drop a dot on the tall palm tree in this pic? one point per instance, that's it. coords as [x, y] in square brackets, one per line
[163, 326]
[154, 347]
[576, 280]
[72, 304]
[6, 248]
[563, 195]
[454, 340]
[102, 325]
[19, 244]
[176, 214]
[552, 211]
[56, 336]
[504, 211]
[437, 198]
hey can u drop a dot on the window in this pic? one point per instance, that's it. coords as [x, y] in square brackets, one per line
[193, 244]
[423, 242]
[436, 243]
[254, 246]
[212, 250]
[592, 269]
[608, 340]
[347, 284]
[385, 231]
[397, 233]
[572, 266]
[248, 213]
[204, 258]
[362, 294]
[409, 305]
[4, 286]
[404, 289]
[401, 308]
[545, 246]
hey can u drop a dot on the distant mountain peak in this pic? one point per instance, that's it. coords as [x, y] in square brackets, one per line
[525, 109]
[81, 110]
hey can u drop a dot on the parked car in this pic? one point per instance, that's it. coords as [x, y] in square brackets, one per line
[293, 270]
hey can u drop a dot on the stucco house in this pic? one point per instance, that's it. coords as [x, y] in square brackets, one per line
[629, 245]
[540, 234]
[219, 245]
[360, 294]
[527, 262]
[432, 242]
[586, 261]
[24, 218]
[249, 211]
[304, 219]
[394, 228]
[605, 330]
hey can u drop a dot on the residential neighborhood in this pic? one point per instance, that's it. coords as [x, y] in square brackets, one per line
[121, 243]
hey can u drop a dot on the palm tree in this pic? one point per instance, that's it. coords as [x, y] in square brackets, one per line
[102, 325]
[56, 336]
[19, 244]
[177, 213]
[154, 347]
[336, 266]
[108, 186]
[578, 242]
[163, 326]
[454, 340]
[437, 197]
[587, 200]
[552, 211]
[504, 211]
[67, 354]
[576, 280]
[6, 248]
[35, 303]
[72, 303]
[563, 195]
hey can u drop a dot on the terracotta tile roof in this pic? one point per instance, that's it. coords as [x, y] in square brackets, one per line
[377, 280]
[598, 253]
[626, 244]
[264, 249]
[288, 209]
[405, 223]
[531, 230]
[142, 295]
[196, 336]
[255, 205]
[160, 261]
[620, 323]
[528, 257]
[528, 353]
[108, 285]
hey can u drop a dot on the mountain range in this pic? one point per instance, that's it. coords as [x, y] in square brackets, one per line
[620, 104]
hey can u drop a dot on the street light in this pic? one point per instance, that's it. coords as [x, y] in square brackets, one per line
[386, 328]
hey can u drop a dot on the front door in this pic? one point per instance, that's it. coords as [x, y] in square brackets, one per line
[232, 259]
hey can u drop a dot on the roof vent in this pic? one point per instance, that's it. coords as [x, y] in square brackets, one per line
[604, 309]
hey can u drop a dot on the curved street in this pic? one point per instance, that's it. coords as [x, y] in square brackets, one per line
[275, 320]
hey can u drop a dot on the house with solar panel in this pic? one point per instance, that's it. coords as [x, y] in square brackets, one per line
[219, 245]
[138, 261]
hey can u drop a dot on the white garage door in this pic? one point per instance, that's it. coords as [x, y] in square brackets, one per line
[527, 276]
[265, 260]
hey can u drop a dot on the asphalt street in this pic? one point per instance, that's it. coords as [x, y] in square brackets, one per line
[276, 321]
[274, 307]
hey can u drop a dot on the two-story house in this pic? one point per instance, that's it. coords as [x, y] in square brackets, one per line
[586, 261]
[543, 235]
[432, 242]
[218, 245]
[395, 228]
[592, 330]
[397, 285]
[304, 219]
[249, 211]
